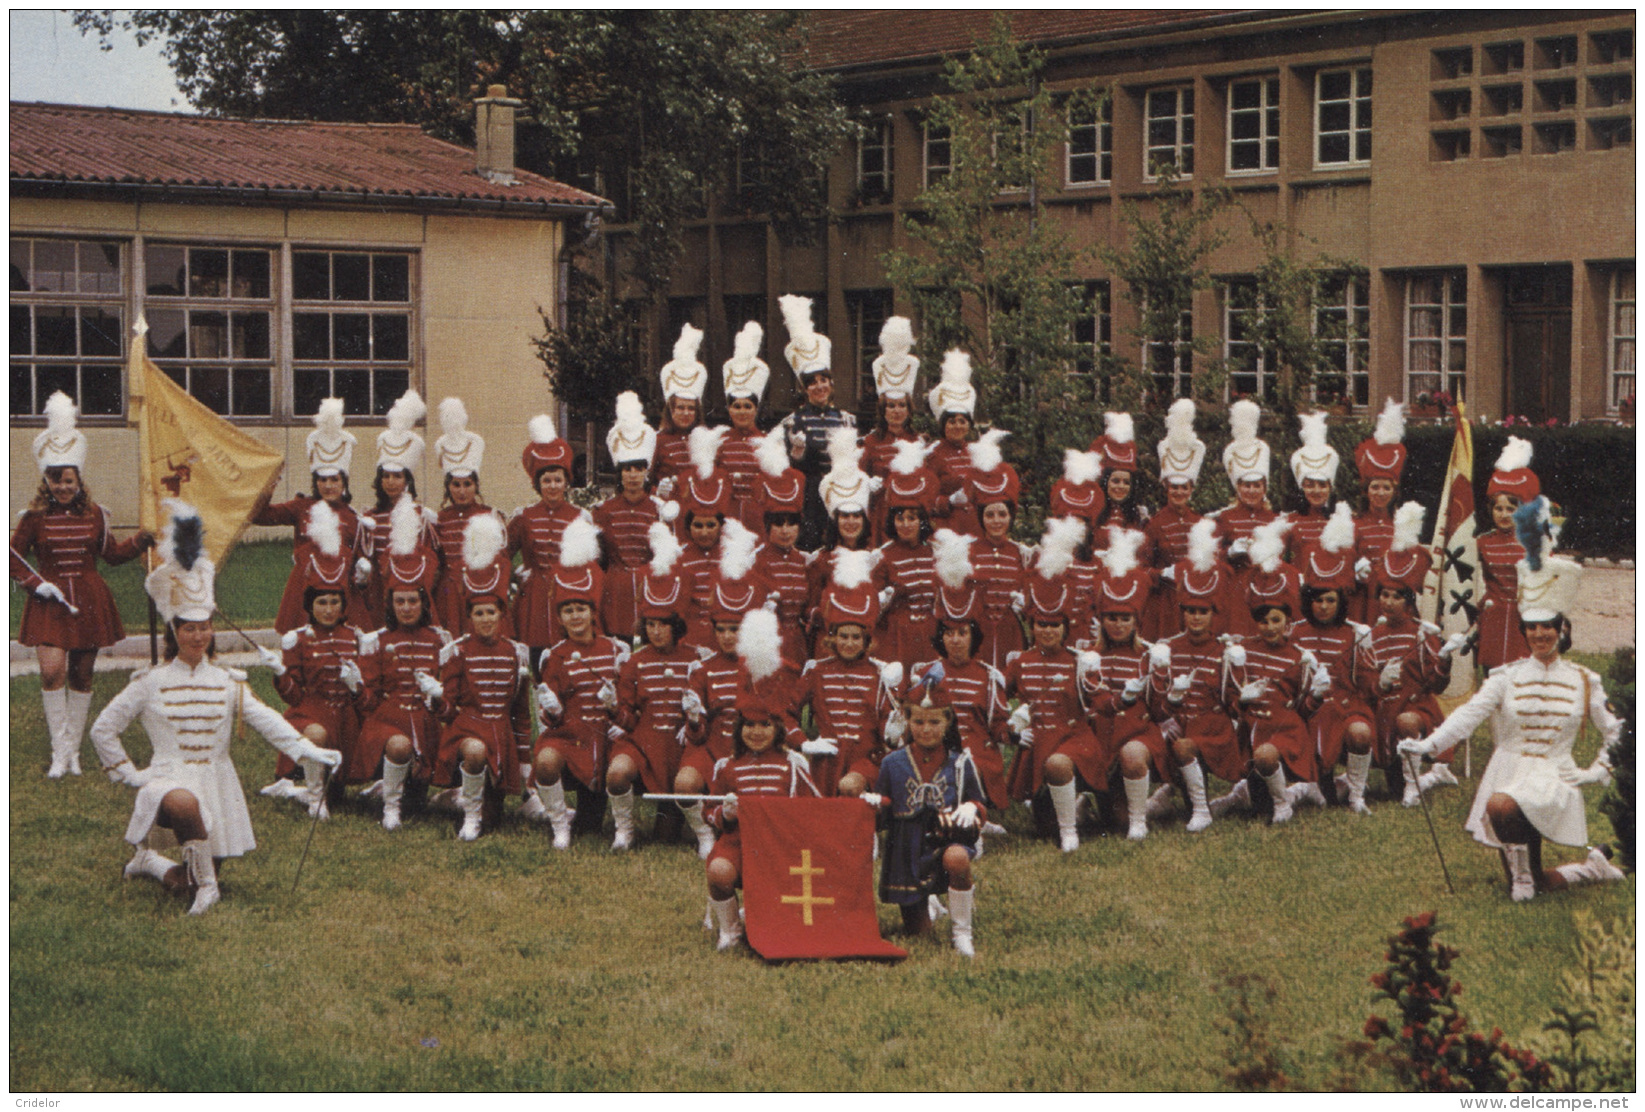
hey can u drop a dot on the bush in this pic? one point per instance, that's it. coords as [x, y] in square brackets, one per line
[1600, 988]
[1618, 802]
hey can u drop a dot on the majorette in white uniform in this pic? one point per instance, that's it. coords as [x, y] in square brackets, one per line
[188, 714]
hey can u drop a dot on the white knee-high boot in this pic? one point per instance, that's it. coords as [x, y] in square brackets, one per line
[1359, 771]
[1136, 801]
[559, 816]
[1276, 788]
[622, 811]
[960, 905]
[1439, 774]
[1522, 885]
[1062, 802]
[725, 915]
[1193, 780]
[314, 776]
[56, 706]
[394, 789]
[202, 870]
[74, 727]
[1597, 869]
[693, 813]
[472, 800]
[1238, 796]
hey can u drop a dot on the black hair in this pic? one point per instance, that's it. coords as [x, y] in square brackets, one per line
[1136, 626]
[170, 632]
[831, 532]
[971, 623]
[1311, 595]
[1260, 610]
[737, 746]
[880, 424]
[384, 502]
[391, 622]
[1128, 511]
[1405, 593]
[310, 594]
[1564, 624]
[690, 514]
[891, 523]
[348, 495]
[950, 414]
[445, 499]
[537, 476]
[780, 517]
[675, 622]
[1303, 508]
[1011, 508]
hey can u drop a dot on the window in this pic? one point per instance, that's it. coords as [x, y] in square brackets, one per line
[1171, 363]
[1253, 126]
[1094, 336]
[1170, 124]
[1436, 333]
[874, 162]
[939, 154]
[868, 311]
[67, 323]
[210, 312]
[1012, 143]
[1342, 325]
[1251, 368]
[350, 329]
[1090, 158]
[1342, 117]
[740, 308]
[1622, 339]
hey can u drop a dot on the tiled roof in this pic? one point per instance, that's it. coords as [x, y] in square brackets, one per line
[845, 38]
[337, 161]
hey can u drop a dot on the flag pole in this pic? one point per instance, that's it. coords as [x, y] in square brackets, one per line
[136, 390]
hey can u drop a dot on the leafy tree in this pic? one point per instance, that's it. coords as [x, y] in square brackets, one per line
[592, 358]
[989, 272]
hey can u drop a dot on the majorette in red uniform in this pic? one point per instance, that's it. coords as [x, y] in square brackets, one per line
[1314, 467]
[845, 491]
[534, 532]
[1412, 663]
[906, 562]
[69, 613]
[577, 690]
[399, 455]
[1078, 494]
[782, 567]
[459, 453]
[850, 693]
[701, 525]
[953, 403]
[1342, 725]
[1116, 675]
[895, 369]
[705, 482]
[400, 728]
[1181, 456]
[1247, 460]
[1380, 460]
[1056, 558]
[683, 381]
[745, 376]
[330, 454]
[761, 764]
[1512, 484]
[1000, 563]
[625, 518]
[480, 566]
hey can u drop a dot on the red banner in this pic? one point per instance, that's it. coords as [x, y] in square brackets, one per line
[808, 879]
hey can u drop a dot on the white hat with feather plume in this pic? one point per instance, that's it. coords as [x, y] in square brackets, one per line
[745, 374]
[400, 446]
[808, 351]
[330, 448]
[1181, 452]
[458, 452]
[683, 376]
[61, 444]
[896, 367]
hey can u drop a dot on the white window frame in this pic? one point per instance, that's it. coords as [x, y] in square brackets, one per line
[1178, 146]
[1357, 74]
[1181, 352]
[1622, 327]
[1355, 340]
[881, 131]
[1450, 337]
[1260, 364]
[928, 166]
[1101, 153]
[1268, 126]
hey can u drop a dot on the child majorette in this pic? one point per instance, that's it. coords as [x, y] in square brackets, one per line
[781, 565]
[932, 799]
[1380, 460]
[577, 691]
[459, 454]
[1248, 461]
[400, 729]
[399, 455]
[188, 706]
[625, 518]
[1181, 456]
[895, 370]
[953, 402]
[1412, 663]
[534, 533]
[850, 693]
[1512, 485]
[330, 451]
[999, 563]
[907, 565]
[1343, 724]
[761, 764]
[745, 376]
[683, 381]
[69, 613]
[1314, 467]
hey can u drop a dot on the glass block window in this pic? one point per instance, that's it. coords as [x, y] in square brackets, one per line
[350, 329]
[67, 324]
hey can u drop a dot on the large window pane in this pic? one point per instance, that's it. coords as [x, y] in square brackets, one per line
[166, 271]
[207, 272]
[310, 276]
[351, 336]
[99, 332]
[308, 389]
[22, 333]
[350, 278]
[207, 335]
[251, 278]
[354, 387]
[210, 386]
[310, 336]
[167, 338]
[251, 335]
[100, 268]
[22, 390]
[252, 394]
[100, 390]
[391, 278]
[54, 266]
[52, 377]
[54, 330]
[391, 339]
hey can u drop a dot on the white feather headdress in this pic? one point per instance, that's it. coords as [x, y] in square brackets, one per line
[909, 456]
[405, 526]
[1117, 427]
[1407, 526]
[579, 542]
[954, 393]
[951, 553]
[325, 528]
[703, 443]
[1063, 536]
[985, 451]
[854, 566]
[1268, 543]
[771, 452]
[1081, 467]
[1181, 453]
[1390, 423]
[1202, 545]
[483, 539]
[759, 643]
[458, 451]
[665, 548]
[1516, 454]
[1338, 534]
[1123, 546]
[330, 448]
[737, 545]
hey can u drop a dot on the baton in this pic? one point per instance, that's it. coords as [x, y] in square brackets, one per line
[1411, 771]
[62, 598]
[325, 781]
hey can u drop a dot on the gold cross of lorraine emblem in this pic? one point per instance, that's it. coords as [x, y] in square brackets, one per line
[805, 899]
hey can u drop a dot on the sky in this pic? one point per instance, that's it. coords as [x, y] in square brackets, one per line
[51, 61]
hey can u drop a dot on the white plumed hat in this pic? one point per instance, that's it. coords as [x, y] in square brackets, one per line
[330, 448]
[954, 393]
[1316, 459]
[400, 445]
[683, 376]
[1181, 453]
[458, 451]
[1246, 456]
[807, 351]
[745, 374]
[61, 444]
[896, 368]
[630, 440]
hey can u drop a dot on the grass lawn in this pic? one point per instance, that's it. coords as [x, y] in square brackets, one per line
[414, 961]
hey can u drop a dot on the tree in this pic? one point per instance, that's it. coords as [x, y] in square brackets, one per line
[989, 272]
[659, 101]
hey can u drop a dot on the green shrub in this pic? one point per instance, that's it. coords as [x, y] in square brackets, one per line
[1618, 803]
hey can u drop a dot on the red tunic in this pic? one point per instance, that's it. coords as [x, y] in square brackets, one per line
[485, 699]
[736, 458]
[783, 572]
[719, 682]
[373, 544]
[1344, 652]
[998, 567]
[1373, 535]
[1274, 719]
[1500, 640]
[1423, 674]
[1235, 523]
[906, 626]
[977, 694]
[819, 578]
[1167, 542]
[534, 532]
[313, 689]
[698, 569]
[450, 600]
[1113, 720]
[390, 699]
[466, 583]
[879, 447]
[952, 466]
[626, 525]
[777, 771]
[1200, 715]
[68, 546]
[649, 687]
[295, 514]
[849, 704]
[673, 456]
[1060, 718]
[574, 672]
[1305, 530]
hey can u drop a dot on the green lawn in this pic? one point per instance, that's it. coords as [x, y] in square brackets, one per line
[414, 961]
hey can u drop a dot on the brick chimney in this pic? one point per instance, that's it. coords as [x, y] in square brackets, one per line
[494, 135]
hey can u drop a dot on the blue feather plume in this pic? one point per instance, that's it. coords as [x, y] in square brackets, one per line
[1530, 526]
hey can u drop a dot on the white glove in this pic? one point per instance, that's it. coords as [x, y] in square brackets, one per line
[1596, 773]
[1253, 691]
[1179, 689]
[1320, 685]
[959, 498]
[431, 688]
[132, 777]
[50, 591]
[1168, 573]
[886, 596]
[362, 571]
[1391, 673]
[1025, 738]
[548, 702]
[349, 673]
[771, 603]
[728, 808]
[875, 484]
[873, 799]
[1415, 747]
[891, 674]
[1453, 644]
[666, 488]
[668, 512]
[614, 732]
[271, 660]
[693, 706]
[331, 758]
[607, 694]
[1018, 602]
[1234, 656]
[1240, 547]
[1020, 719]
[821, 747]
[1159, 654]
[1132, 691]
[896, 728]
[1362, 569]
[796, 443]
[966, 816]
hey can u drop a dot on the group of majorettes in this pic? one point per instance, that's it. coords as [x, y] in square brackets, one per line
[807, 611]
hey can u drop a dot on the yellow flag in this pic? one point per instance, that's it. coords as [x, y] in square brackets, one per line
[186, 451]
